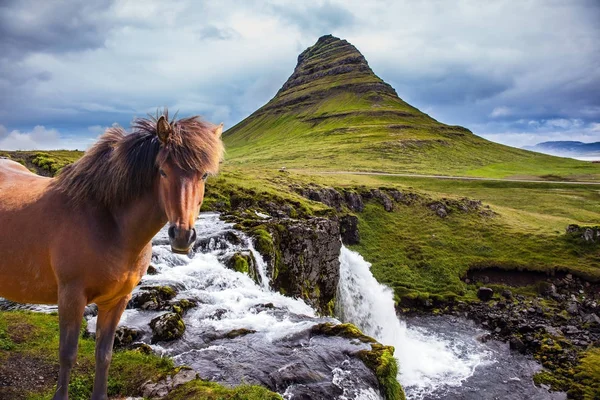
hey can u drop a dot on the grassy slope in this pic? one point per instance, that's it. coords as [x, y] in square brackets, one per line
[31, 339]
[43, 162]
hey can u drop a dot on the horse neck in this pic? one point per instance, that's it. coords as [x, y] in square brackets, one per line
[141, 220]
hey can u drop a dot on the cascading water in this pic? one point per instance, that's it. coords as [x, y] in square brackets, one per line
[426, 361]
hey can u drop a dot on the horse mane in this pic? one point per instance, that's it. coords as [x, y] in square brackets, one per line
[122, 166]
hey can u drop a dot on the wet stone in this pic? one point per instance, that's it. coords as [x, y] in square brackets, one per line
[125, 336]
[485, 294]
[167, 327]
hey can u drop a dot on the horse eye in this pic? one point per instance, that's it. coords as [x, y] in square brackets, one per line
[162, 173]
[205, 176]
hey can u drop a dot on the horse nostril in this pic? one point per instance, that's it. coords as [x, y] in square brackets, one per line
[193, 236]
[172, 232]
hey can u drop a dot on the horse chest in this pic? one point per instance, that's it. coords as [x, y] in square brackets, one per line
[119, 279]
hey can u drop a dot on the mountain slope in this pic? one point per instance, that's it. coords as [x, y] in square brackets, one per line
[334, 113]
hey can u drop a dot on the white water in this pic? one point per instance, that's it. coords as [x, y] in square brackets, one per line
[232, 294]
[427, 361]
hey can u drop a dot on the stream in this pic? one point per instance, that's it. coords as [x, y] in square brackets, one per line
[439, 357]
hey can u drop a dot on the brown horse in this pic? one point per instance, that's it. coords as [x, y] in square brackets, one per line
[84, 237]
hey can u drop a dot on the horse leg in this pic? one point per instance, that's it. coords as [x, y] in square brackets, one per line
[70, 313]
[108, 318]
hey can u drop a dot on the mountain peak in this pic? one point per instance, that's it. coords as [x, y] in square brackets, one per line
[329, 66]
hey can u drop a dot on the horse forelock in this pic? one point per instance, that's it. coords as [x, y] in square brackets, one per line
[121, 166]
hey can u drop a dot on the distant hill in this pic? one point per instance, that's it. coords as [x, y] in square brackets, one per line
[567, 148]
[334, 113]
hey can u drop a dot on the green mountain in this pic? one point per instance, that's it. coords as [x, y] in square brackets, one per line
[334, 113]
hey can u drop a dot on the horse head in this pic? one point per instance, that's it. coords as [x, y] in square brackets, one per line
[181, 182]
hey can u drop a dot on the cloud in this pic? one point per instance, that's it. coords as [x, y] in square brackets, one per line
[500, 112]
[522, 133]
[28, 25]
[315, 18]
[38, 137]
[212, 32]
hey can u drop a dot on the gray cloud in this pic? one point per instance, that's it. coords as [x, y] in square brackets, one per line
[52, 26]
[212, 32]
[314, 18]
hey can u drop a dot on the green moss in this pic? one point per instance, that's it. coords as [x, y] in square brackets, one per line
[201, 390]
[348, 331]
[556, 383]
[330, 307]
[587, 374]
[240, 263]
[380, 359]
[166, 292]
[263, 240]
[239, 332]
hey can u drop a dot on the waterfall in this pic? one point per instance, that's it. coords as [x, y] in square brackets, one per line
[427, 361]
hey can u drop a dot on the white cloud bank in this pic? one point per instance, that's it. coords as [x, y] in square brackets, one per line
[41, 138]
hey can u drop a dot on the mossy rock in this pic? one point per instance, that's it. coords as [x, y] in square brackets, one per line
[240, 262]
[125, 336]
[380, 359]
[239, 332]
[198, 389]
[153, 298]
[348, 331]
[167, 327]
[262, 240]
[181, 306]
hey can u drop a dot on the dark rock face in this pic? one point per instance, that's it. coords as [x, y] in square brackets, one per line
[167, 327]
[328, 57]
[485, 294]
[385, 200]
[327, 196]
[439, 209]
[354, 201]
[304, 260]
[349, 229]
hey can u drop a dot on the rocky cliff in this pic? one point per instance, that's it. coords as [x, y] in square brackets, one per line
[303, 257]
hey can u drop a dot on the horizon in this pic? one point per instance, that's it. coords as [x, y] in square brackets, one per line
[495, 69]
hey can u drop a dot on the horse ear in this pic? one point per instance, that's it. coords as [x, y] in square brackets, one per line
[163, 129]
[219, 130]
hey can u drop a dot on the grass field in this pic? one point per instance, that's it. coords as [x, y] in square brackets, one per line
[29, 349]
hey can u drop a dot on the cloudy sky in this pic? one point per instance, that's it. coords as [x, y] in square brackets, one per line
[516, 72]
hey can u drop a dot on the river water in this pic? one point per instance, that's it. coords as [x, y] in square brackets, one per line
[439, 357]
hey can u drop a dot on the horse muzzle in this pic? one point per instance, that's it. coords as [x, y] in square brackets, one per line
[181, 240]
